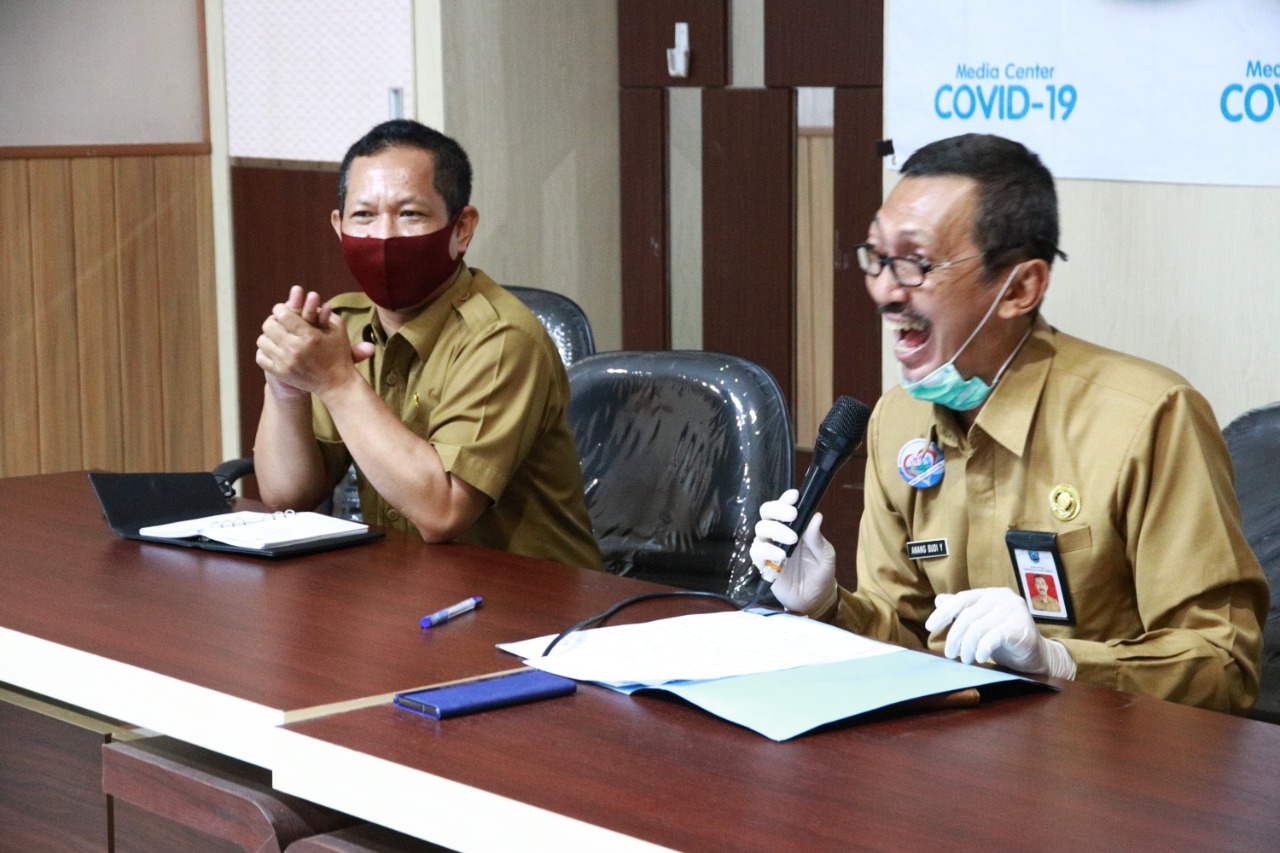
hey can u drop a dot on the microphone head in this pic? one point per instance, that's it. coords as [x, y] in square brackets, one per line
[843, 427]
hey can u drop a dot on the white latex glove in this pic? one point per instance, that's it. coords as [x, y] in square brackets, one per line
[806, 583]
[994, 624]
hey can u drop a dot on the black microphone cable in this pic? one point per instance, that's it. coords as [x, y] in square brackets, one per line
[636, 599]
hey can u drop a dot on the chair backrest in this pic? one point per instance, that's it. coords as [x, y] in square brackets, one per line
[563, 318]
[678, 451]
[1254, 442]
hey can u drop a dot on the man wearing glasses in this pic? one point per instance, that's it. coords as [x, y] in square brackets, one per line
[1012, 447]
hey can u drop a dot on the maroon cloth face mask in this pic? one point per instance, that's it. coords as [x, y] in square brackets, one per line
[400, 272]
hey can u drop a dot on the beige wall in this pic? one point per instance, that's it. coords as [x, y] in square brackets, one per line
[531, 91]
[291, 89]
[1183, 275]
[122, 73]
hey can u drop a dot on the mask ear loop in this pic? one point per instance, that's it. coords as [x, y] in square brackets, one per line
[1008, 361]
[987, 316]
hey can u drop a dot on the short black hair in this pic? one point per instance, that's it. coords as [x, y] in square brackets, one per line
[1017, 216]
[452, 167]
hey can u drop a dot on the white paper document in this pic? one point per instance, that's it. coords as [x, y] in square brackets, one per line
[696, 648]
[777, 674]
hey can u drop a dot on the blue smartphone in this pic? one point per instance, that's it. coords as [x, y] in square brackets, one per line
[484, 694]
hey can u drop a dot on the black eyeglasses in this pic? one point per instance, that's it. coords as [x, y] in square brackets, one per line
[907, 272]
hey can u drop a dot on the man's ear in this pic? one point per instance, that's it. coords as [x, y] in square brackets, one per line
[1026, 291]
[336, 219]
[468, 219]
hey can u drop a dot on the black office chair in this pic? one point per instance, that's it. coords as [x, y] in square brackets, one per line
[563, 318]
[565, 322]
[678, 451]
[1254, 442]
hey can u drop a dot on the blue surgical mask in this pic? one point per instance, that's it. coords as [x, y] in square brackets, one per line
[946, 387]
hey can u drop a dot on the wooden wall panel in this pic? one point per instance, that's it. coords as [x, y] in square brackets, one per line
[19, 441]
[646, 28]
[271, 208]
[823, 42]
[57, 344]
[748, 232]
[210, 383]
[815, 191]
[757, 189]
[646, 266]
[857, 349]
[89, 375]
[98, 312]
[179, 313]
[816, 335]
[141, 352]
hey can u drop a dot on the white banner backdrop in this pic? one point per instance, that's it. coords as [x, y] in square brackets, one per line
[1182, 91]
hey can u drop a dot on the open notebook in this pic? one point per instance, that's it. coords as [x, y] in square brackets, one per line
[189, 509]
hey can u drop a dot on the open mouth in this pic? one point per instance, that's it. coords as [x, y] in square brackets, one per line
[912, 334]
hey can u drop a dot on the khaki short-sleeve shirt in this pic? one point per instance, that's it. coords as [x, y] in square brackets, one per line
[477, 376]
[1167, 596]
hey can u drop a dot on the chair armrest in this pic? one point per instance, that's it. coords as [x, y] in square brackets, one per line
[228, 472]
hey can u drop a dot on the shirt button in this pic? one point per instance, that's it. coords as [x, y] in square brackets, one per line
[393, 379]
[393, 514]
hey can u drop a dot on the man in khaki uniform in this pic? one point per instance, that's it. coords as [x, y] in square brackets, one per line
[1005, 427]
[443, 388]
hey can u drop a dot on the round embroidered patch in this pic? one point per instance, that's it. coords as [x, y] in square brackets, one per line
[920, 463]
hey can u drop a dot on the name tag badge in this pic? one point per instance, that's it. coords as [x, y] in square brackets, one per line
[1042, 579]
[927, 549]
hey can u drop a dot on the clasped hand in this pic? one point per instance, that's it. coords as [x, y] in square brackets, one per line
[994, 625]
[304, 347]
[807, 583]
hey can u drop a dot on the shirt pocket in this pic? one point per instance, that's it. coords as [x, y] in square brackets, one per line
[1069, 537]
[1074, 538]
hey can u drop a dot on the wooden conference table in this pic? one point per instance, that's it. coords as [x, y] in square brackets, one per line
[257, 660]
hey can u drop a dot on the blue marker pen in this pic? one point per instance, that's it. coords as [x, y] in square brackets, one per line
[442, 616]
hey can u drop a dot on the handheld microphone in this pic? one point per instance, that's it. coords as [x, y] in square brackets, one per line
[841, 431]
